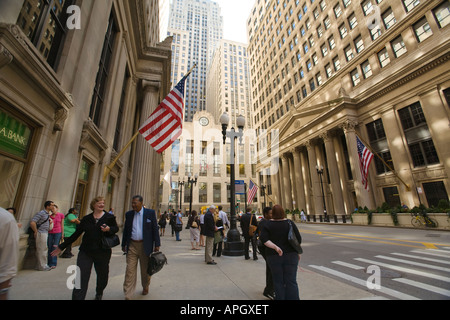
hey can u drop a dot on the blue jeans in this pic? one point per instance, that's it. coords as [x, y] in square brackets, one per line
[52, 243]
[177, 233]
[284, 275]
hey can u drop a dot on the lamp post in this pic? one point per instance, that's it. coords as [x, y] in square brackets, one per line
[191, 182]
[263, 189]
[233, 246]
[181, 184]
[320, 173]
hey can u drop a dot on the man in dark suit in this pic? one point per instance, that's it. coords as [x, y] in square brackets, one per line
[140, 240]
[246, 219]
[210, 227]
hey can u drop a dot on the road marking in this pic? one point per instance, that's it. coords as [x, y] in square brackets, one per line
[433, 253]
[348, 265]
[397, 242]
[407, 270]
[414, 263]
[387, 291]
[424, 286]
[421, 258]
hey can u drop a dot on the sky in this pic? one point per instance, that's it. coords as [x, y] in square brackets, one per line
[235, 15]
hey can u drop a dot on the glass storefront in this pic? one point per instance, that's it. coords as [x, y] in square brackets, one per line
[15, 140]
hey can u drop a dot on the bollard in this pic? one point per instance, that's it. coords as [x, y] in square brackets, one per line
[344, 220]
[335, 219]
[320, 218]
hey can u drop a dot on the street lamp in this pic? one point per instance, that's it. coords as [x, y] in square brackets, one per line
[191, 182]
[233, 246]
[181, 184]
[320, 173]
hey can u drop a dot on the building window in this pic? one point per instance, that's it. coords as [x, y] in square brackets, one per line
[410, 4]
[103, 72]
[359, 44]
[442, 14]
[391, 196]
[388, 18]
[379, 144]
[398, 46]
[44, 23]
[175, 157]
[348, 53]
[352, 22]
[336, 64]
[418, 136]
[383, 58]
[217, 162]
[422, 30]
[203, 192]
[434, 192]
[367, 7]
[343, 30]
[366, 69]
[355, 77]
[189, 157]
[217, 192]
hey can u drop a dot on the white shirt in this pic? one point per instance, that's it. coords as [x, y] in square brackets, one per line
[223, 216]
[9, 246]
[136, 232]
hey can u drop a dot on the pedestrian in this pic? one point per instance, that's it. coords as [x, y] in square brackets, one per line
[224, 217]
[172, 221]
[70, 225]
[302, 216]
[162, 223]
[202, 228]
[210, 228]
[268, 290]
[55, 235]
[13, 212]
[218, 234]
[248, 219]
[178, 225]
[194, 225]
[282, 258]
[9, 251]
[40, 225]
[96, 225]
[140, 239]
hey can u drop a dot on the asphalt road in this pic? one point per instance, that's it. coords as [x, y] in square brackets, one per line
[392, 263]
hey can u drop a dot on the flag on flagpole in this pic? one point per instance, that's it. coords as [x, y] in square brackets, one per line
[365, 158]
[165, 125]
[252, 189]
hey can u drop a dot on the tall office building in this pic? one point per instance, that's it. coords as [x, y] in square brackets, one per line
[228, 80]
[325, 71]
[71, 99]
[203, 23]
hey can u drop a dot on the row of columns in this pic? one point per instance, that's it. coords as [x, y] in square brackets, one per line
[297, 185]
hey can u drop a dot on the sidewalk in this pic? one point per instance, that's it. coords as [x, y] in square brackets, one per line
[186, 277]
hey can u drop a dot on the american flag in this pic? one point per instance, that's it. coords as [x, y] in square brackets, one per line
[253, 188]
[365, 157]
[165, 125]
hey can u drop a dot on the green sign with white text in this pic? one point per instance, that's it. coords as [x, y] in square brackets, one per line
[15, 135]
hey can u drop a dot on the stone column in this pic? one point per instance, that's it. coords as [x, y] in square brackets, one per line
[336, 188]
[294, 182]
[307, 185]
[300, 183]
[147, 161]
[287, 191]
[363, 196]
[316, 191]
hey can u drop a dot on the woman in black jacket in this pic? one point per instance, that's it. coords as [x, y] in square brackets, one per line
[282, 258]
[94, 226]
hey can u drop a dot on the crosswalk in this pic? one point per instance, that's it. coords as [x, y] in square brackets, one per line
[406, 276]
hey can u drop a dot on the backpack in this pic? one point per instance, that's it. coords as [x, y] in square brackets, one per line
[251, 228]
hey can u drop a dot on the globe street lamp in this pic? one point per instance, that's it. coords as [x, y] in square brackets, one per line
[320, 173]
[190, 183]
[233, 246]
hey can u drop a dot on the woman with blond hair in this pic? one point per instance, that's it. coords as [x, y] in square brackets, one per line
[94, 226]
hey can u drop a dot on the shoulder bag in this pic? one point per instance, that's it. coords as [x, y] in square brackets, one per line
[292, 238]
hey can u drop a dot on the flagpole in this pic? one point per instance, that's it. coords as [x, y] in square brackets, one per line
[408, 188]
[270, 198]
[109, 167]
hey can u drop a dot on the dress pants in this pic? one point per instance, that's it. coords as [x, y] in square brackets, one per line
[247, 245]
[100, 259]
[209, 249]
[284, 274]
[41, 251]
[136, 253]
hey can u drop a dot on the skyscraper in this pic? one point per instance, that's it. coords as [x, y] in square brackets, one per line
[197, 26]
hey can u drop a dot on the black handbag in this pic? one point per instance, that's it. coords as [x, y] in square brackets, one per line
[156, 262]
[109, 242]
[293, 241]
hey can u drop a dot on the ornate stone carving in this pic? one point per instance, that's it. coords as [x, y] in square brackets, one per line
[60, 118]
[5, 56]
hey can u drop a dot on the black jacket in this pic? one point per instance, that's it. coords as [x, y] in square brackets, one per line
[92, 239]
[209, 225]
[245, 223]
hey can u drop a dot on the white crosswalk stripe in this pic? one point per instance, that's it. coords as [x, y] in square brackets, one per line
[420, 272]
